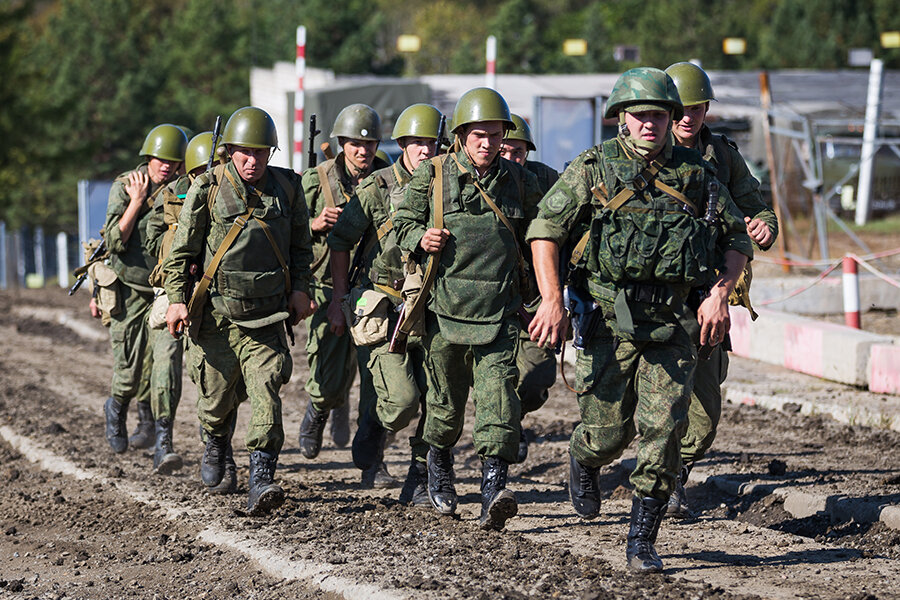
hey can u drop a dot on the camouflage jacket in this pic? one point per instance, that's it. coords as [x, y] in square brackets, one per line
[546, 175]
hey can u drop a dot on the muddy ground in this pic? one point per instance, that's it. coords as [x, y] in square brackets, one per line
[114, 530]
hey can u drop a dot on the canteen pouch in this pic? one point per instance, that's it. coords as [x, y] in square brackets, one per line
[105, 289]
[157, 317]
[366, 313]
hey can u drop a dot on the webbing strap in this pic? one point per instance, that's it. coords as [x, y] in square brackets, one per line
[412, 316]
[385, 229]
[388, 290]
[668, 189]
[278, 254]
[195, 305]
[326, 189]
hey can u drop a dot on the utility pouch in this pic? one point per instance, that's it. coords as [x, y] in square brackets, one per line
[412, 287]
[366, 312]
[105, 289]
[157, 317]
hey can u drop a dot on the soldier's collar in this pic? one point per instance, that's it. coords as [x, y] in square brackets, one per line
[471, 171]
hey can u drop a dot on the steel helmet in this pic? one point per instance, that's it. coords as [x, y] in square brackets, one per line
[479, 105]
[198, 149]
[250, 127]
[188, 132]
[358, 122]
[692, 82]
[521, 132]
[384, 156]
[644, 87]
[418, 120]
[166, 142]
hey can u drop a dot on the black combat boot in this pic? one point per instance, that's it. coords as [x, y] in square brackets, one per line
[116, 434]
[441, 490]
[584, 488]
[498, 504]
[311, 430]
[368, 443]
[143, 435]
[165, 460]
[415, 488]
[212, 466]
[340, 425]
[265, 496]
[678, 501]
[522, 453]
[377, 477]
[646, 515]
[228, 485]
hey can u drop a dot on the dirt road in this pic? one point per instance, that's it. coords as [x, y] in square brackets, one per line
[77, 521]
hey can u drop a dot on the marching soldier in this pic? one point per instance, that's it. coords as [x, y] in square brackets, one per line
[469, 210]
[247, 225]
[537, 365]
[332, 358]
[399, 378]
[657, 226]
[705, 409]
[131, 199]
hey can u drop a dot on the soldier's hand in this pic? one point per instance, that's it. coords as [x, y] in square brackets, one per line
[95, 310]
[758, 231]
[434, 239]
[137, 186]
[714, 319]
[549, 325]
[326, 220]
[336, 317]
[300, 306]
[177, 313]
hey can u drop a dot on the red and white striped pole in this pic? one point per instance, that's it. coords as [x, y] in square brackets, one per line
[299, 117]
[850, 280]
[490, 76]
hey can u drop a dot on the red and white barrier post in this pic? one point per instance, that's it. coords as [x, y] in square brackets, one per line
[850, 280]
[299, 118]
[490, 76]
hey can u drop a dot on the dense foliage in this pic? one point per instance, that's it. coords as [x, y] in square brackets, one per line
[84, 80]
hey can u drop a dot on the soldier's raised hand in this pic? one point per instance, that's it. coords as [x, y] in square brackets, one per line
[326, 220]
[758, 231]
[137, 186]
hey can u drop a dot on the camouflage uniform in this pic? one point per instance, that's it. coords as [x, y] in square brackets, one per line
[241, 349]
[399, 380]
[706, 399]
[472, 326]
[637, 375]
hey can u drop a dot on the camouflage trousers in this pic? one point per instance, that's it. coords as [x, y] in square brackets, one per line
[705, 407]
[643, 388]
[332, 359]
[490, 370]
[165, 376]
[230, 364]
[537, 373]
[130, 338]
[400, 381]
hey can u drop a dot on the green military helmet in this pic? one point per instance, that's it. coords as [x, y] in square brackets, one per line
[384, 156]
[358, 122]
[644, 86]
[692, 82]
[479, 105]
[418, 120]
[188, 132]
[166, 142]
[521, 132]
[198, 149]
[250, 127]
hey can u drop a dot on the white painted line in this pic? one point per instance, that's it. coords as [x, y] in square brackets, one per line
[277, 565]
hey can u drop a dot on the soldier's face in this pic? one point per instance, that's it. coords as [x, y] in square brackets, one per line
[647, 125]
[482, 142]
[415, 150]
[359, 153]
[161, 170]
[250, 163]
[689, 126]
[514, 150]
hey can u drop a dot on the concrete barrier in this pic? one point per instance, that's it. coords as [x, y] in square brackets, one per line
[884, 369]
[824, 298]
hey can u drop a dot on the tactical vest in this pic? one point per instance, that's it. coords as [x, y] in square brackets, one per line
[173, 201]
[134, 265]
[386, 258]
[249, 286]
[653, 237]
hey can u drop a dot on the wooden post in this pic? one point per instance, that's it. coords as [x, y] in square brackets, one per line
[766, 101]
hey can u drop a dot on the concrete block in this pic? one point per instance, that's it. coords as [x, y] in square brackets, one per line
[884, 369]
[890, 516]
[824, 298]
[802, 505]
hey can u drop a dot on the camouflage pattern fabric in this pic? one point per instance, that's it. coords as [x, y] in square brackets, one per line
[705, 407]
[165, 374]
[537, 373]
[546, 175]
[130, 339]
[332, 359]
[131, 260]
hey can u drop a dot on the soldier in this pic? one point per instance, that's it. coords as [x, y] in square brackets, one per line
[332, 358]
[248, 225]
[705, 408]
[399, 378]
[131, 198]
[641, 200]
[537, 365]
[483, 205]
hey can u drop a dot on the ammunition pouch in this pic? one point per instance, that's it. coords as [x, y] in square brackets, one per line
[366, 313]
[105, 290]
[157, 317]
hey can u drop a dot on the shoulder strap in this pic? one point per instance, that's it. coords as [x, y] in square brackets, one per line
[215, 181]
[285, 185]
[322, 170]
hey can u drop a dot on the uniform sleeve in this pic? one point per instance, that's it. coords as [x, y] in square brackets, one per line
[412, 215]
[561, 209]
[187, 243]
[301, 242]
[156, 224]
[355, 219]
[744, 189]
[734, 230]
[118, 202]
